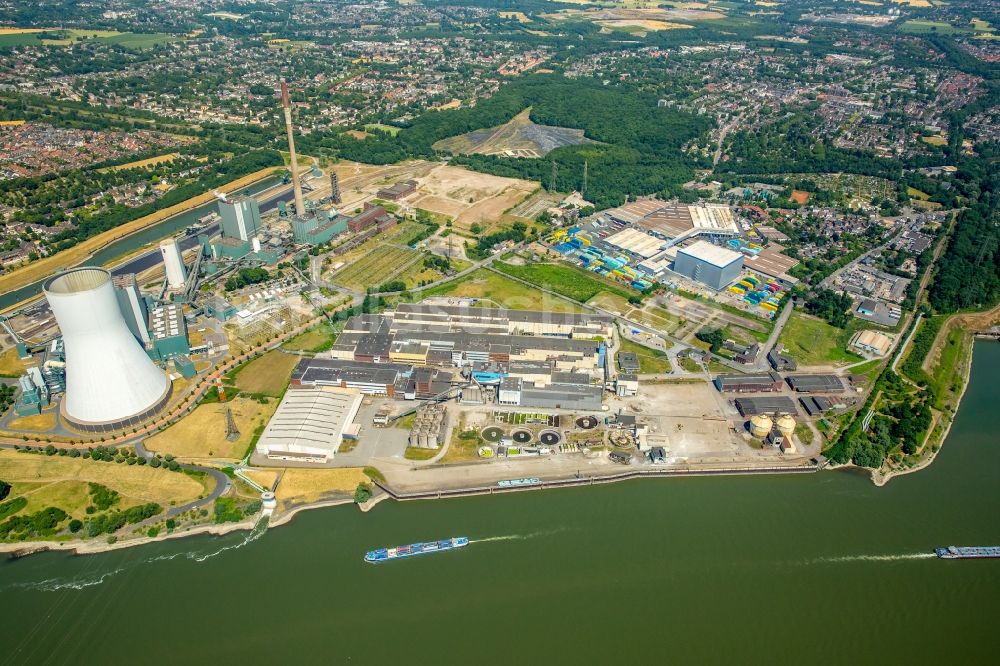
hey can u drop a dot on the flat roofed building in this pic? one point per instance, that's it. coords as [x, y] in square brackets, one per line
[759, 383]
[714, 219]
[669, 221]
[628, 362]
[708, 264]
[309, 424]
[765, 405]
[773, 264]
[631, 213]
[397, 191]
[369, 378]
[636, 242]
[816, 383]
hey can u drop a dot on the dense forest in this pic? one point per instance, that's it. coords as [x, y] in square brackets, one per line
[639, 150]
[788, 145]
[968, 272]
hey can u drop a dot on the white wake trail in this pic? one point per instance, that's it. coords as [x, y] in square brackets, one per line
[520, 537]
[56, 584]
[876, 558]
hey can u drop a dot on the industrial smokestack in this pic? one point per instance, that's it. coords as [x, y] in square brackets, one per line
[111, 383]
[286, 103]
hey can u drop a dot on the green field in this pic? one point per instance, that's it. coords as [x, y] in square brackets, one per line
[384, 128]
[566, 280]
[499, 290]
[316, 339]
[267, 374]
[812, 341]
[651, 361]
[375, 268]
[56, 37]
[921, 27]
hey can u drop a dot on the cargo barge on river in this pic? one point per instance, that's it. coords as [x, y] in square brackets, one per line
[968, 552]
[414, 549]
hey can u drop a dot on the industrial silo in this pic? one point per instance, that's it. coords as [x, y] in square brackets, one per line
[110, 381]
[786, 424]
[760, 425]
[173, 263]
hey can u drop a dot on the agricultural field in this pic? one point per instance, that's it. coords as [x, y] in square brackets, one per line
[566, 280]
[651, 361]
[267, 374]
[497, 290]
[811, 341]
[376, 267]
[61, 37]
[63, 482]
[518, 137]
[469, 197]
[921, 27]
[202, 433]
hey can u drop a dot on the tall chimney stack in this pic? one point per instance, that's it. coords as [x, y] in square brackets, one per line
[286, 103]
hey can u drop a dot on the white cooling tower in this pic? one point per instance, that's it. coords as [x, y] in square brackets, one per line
[173, 263]
[110, 381]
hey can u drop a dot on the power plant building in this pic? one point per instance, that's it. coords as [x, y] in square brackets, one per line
[173, 263]
[708, 264]
[240, 217]
[317, 229]
[168, 333]
[111, 383]
[133, 306]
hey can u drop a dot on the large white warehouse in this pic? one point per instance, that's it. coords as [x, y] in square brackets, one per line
[111, 383]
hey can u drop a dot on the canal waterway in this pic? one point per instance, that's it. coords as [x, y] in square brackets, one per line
[151, 234]
[823, 568]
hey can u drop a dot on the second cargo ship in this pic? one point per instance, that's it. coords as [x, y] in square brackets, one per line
[413, 549]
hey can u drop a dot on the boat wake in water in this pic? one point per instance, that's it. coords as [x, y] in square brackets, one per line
[874, 558]
[520, 537]
[81, 582]
[57, 584]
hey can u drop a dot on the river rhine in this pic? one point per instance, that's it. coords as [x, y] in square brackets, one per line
[823, 568]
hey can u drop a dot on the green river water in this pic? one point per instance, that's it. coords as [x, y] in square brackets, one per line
[823, 568]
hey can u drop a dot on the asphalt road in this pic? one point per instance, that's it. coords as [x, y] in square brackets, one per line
[222, 484]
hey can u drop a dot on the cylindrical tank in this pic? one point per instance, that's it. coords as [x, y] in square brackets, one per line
[173, 263]
[760, 425]
[110, 381]
[786, 424]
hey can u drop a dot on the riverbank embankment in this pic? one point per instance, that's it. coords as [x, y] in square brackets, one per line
[385, 492]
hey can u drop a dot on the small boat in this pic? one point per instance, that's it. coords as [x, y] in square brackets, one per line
[968, 552]
[414, 549]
